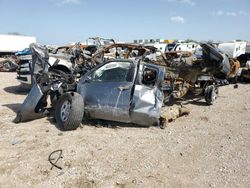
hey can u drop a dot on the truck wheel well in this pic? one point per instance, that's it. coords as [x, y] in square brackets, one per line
[62, 68]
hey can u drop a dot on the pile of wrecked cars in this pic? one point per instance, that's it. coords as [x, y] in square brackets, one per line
[119, 82]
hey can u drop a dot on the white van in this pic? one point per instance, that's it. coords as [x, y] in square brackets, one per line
[190, 47]
[236, 49]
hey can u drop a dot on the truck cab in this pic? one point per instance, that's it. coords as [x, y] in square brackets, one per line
[123, 90]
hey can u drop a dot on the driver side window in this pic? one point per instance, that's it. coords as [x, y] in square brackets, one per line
[149, 76]
[114, 72]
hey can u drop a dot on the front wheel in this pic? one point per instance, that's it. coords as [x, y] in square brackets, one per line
[69, 111]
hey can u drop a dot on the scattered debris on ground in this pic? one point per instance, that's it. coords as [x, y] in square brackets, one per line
[209, 147]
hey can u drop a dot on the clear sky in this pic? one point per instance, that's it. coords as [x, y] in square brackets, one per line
[64, 21]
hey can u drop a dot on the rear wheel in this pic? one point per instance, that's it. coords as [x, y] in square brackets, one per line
[211, 93]
[242, 59]
[69, 111]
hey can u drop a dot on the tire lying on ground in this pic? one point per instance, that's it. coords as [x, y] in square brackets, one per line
[69, 111]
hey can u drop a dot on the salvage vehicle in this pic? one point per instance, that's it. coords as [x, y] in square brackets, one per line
[131, 93]
[190, 74]
[68, 56]
[121, 51]
[244, 73]
[65, 58]
[129, 83]
[24, 66]
[188, 47]
[200, 74]
[237, 49]
[25, 69]
[119, 90]
[9, 45]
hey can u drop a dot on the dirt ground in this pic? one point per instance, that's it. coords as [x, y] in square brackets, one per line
[208, 148]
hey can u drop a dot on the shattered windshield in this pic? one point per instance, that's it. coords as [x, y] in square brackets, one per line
[114, 72]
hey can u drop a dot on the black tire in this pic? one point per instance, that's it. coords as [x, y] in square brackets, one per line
[69, 111]
[162, 123]
[211, 93]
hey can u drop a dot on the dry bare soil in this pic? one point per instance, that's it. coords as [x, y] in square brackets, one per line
[208, 148]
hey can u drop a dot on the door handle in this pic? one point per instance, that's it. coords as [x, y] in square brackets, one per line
[125, 87]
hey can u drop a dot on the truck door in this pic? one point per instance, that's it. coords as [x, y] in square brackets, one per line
[107, 93]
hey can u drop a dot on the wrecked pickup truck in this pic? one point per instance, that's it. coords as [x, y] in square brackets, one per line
[199, 74]
[119, 90]
[77, 56]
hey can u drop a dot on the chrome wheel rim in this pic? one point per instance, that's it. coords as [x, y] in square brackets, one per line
[65, 110]
[214, 95]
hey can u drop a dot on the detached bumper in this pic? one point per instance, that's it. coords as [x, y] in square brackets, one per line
[27, 109]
